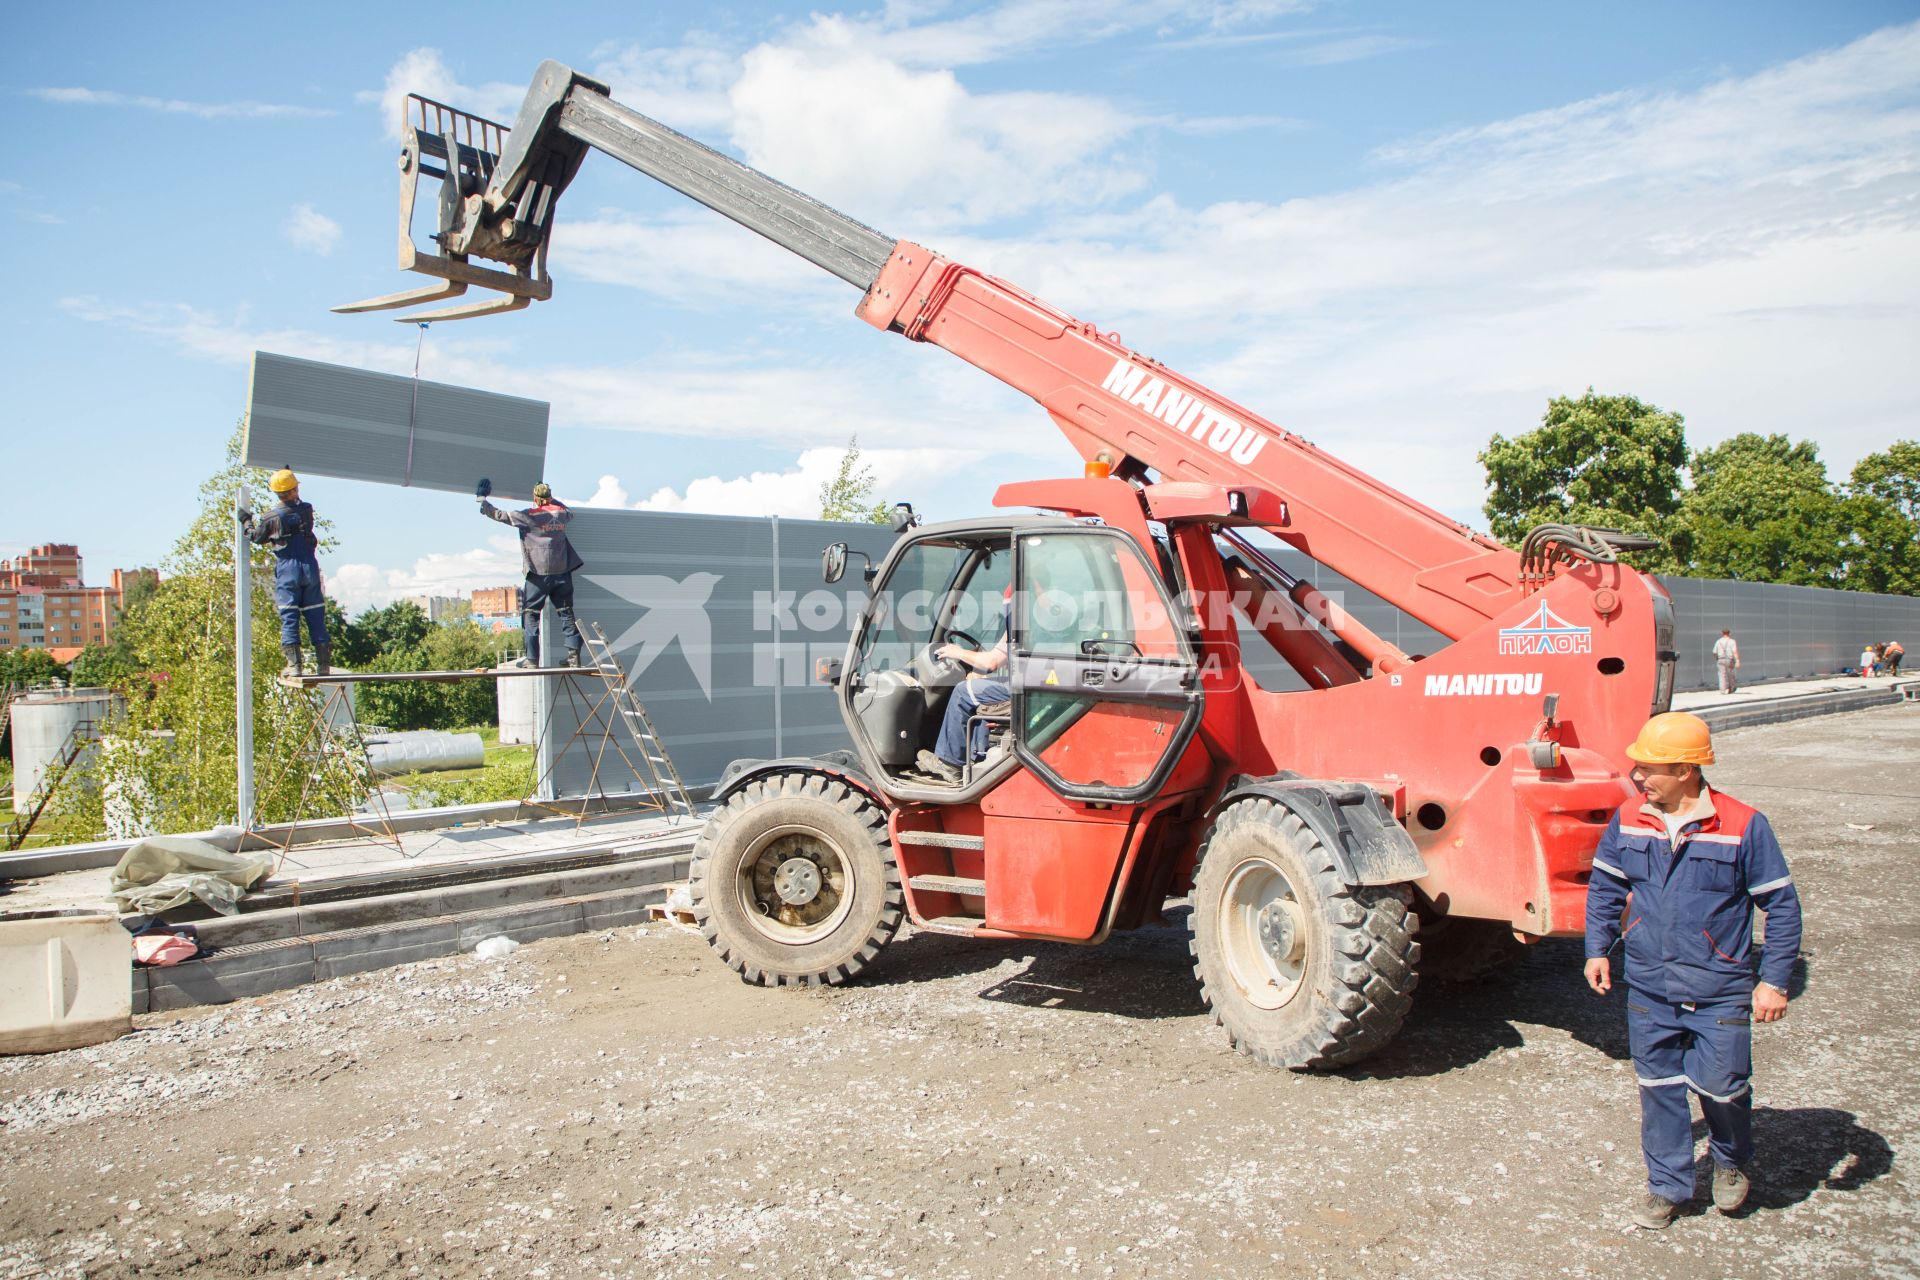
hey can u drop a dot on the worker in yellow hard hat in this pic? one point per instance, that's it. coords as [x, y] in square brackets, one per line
[1695, 862]
[298, 589]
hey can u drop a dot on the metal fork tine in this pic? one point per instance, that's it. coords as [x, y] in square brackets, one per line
[405, 298]
[486, 307]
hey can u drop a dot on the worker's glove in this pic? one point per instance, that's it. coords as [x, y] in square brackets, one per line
[246, 521]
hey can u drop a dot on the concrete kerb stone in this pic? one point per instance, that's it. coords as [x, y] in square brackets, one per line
[257, 968]
[392, 909]
[1779, 710]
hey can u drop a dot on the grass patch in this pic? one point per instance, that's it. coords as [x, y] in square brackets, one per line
[506, 775]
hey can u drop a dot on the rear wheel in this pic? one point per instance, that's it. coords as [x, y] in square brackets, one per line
[1301, 969]
[794, 882]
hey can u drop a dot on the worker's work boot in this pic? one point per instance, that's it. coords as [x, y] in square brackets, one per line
[573, 658]
[292, 654]
[322, 659]
[1730, 1187]
[1655, 1213]
[932, 764]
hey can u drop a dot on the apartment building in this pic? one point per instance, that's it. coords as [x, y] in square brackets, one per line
[45, 604]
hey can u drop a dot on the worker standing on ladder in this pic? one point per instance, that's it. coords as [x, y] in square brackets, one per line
[1688, 864]
[549, 561]
[298, 590]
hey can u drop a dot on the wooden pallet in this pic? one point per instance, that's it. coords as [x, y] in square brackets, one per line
[662, 910]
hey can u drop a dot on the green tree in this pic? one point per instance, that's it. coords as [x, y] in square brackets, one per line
[104, 665]
[849, 495]
[401, 704]
[29, 666]
[460, 646]
[1762, 510]
[169, 763]
[388, 629]
[463, 646]
[1607, 460]
[1883, 515]
[1893, 477]
[336, 629]
[140, 588]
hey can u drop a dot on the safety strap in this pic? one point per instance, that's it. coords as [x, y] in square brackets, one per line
[413, 408]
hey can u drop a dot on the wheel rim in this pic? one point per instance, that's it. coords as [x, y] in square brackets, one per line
[794, 885]
[1263, 934]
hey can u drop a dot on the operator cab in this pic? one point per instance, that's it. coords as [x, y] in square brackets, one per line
[1097, 688]
[946, 587]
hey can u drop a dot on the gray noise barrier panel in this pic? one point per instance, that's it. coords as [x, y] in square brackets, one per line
[355, 424]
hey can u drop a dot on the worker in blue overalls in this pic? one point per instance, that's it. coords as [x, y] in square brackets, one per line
[298, 591]
[1677, 874]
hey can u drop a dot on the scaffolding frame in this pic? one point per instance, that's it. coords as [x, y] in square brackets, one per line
[597, 721]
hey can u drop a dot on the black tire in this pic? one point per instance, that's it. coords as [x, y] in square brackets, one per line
[1336, 980]
[740, 879]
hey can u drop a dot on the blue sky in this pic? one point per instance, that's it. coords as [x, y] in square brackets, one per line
[1393, 228]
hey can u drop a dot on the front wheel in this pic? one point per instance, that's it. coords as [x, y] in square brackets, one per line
[794, 882]
[1303, 970]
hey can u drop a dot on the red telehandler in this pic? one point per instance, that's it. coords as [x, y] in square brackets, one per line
[1315, 831]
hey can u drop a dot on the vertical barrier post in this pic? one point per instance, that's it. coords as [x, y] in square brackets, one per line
[779, 649]
[243, 663]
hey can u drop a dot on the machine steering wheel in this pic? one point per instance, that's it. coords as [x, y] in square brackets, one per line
[949, 666]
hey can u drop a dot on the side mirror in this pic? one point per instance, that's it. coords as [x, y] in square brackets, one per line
[833, 562]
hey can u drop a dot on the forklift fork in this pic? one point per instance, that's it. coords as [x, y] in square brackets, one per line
[462, 150]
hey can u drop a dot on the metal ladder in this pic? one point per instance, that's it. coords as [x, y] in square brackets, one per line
[6, 711]
[663, 779]
[69, 754]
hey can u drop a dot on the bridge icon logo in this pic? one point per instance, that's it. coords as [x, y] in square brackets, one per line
[1545, 632]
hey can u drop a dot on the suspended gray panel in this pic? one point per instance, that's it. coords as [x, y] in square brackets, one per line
[360, 425]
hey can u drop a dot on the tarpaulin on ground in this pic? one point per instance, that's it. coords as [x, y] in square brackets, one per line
[162, 872]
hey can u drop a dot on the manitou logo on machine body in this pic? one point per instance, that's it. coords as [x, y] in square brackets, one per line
[1186, 414]
[1545, 632]
[1484, 685]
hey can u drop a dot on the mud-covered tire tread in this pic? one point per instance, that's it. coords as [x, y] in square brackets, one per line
[845, 800]
[1371, 966]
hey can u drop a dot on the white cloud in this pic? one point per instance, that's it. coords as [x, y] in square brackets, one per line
[868, 114]
[425, 71]
[610, 493]
[795, 493]
[1001, 31]
[363, 586]
[690, 256]
[1746, 253]
[684, 85]
[806, 114]
[174, 106]
[307, 228]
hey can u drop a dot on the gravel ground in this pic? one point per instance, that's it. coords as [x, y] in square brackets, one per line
[619, 1104]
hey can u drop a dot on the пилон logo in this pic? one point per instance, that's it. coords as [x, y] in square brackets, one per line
[1545, 632]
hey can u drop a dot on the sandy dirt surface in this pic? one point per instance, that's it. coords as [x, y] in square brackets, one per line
[620, 1104]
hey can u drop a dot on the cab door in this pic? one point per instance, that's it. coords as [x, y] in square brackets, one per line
[1106, 688]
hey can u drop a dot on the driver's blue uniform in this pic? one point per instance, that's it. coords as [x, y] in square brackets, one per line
[972, 694]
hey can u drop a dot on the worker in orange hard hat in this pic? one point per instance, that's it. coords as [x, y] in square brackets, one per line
[1695, 862]
[298, 589]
